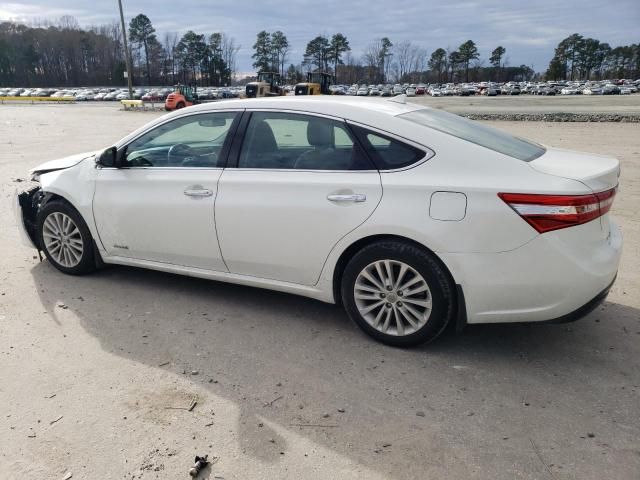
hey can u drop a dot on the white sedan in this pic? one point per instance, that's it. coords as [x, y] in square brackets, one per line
[412, 218]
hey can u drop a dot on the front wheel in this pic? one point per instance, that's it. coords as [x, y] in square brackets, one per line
[398, 293]
[65, 238]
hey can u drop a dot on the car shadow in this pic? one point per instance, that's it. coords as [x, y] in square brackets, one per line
[255, 346]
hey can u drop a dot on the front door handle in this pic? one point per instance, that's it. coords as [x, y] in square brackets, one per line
[198, 192]
[354, 197]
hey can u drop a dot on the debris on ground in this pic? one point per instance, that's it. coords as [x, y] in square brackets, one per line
[62, 305]
[200, 463]
[67, 476]
[55, 420]
[192, 405]
[420, 413]
[268, 404]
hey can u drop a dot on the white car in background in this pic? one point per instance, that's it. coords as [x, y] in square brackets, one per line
[410, 217]
[593, 90]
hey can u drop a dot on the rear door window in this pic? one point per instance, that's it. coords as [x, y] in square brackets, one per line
[290, 141]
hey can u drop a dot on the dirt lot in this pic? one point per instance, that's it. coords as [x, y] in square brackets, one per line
[92, 368]
[535, 104]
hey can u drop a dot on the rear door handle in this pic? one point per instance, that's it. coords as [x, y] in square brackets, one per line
[198, 192]
[354, 197]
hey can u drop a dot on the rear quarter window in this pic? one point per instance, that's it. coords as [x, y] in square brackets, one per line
[474, 132]
[387, 153]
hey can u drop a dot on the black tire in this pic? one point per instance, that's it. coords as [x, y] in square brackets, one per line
[440, 285]
[87, 262]
[180, 105]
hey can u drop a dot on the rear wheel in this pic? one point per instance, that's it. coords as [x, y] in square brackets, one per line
[180, 105]
[65, 238]
[398, 293]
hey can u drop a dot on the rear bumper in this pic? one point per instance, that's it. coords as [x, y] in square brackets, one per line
[585, 309]
[557, 276]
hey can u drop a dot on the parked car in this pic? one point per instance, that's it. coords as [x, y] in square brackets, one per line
[610, 89]
[315, 203]
[592, 91]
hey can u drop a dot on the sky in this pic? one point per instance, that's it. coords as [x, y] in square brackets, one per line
[529, 30]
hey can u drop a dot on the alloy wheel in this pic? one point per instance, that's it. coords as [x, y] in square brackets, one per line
[393, 297]
[63, 239]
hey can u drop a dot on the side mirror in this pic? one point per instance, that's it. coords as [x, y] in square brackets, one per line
[108, 157]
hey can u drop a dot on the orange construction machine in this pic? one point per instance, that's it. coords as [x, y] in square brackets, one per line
[183, 96]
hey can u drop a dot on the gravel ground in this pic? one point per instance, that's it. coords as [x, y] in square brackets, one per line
[93, 368]
[558, 108]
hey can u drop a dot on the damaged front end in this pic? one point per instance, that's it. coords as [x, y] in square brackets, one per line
[26, 206]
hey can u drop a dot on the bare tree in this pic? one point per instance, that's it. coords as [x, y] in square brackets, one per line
[170, 44]
[407, 56]
[229, 53]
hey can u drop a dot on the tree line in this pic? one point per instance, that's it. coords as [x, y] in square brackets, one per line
[383, 61]
[577, 58]
[63, 54]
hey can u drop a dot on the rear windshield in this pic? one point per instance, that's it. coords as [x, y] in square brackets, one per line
[475, 132]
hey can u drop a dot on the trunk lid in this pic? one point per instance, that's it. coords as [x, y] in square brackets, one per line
[598, 172]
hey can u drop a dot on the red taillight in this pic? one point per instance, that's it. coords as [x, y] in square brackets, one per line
[552, 212]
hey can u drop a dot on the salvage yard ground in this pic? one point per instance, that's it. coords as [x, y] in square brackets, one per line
[98, 372]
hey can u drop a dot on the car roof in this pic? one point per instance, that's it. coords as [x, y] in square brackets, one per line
[356, 109]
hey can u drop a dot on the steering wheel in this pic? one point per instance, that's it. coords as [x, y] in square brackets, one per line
[178, 153]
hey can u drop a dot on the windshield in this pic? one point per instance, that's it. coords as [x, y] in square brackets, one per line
[477, 133]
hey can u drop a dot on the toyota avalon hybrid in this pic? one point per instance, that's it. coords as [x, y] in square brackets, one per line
[411, 218]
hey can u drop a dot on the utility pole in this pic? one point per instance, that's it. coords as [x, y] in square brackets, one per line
[127, 57]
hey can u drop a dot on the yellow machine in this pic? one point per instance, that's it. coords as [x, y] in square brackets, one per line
[317, 83]
[268, 85]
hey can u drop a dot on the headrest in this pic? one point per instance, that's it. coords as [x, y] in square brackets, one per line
[263, 140]
[320, 133]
